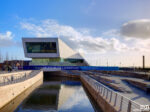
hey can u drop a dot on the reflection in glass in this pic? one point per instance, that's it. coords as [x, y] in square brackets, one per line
[41, 47]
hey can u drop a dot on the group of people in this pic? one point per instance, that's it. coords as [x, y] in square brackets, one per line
[10, 68]
[7, 68]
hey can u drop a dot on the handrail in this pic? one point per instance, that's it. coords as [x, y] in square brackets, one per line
[12, 73]
[118, 100]
[16, 77]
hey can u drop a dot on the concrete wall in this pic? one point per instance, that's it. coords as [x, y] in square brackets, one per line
[12, 105]
[16, 74]
[9, 92]
[101, 101]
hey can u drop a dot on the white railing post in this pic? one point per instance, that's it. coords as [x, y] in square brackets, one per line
[121, 103]
[104, 92]
[107, 94]
[115, 100]
[110, 97]
[129, 106]
[101, 90]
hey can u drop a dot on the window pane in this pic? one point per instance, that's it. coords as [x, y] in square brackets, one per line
[41, 47]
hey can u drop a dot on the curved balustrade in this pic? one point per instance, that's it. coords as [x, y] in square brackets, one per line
[16, 77]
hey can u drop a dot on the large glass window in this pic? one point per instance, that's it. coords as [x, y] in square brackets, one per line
[41, 47]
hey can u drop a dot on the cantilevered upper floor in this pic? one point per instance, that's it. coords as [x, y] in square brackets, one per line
[50, 50]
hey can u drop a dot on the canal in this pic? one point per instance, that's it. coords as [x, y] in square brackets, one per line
[54, 94]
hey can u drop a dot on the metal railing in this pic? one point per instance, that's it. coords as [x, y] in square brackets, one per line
[16, 77]
[114, 98]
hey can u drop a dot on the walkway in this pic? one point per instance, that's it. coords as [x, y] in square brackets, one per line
[133, 93]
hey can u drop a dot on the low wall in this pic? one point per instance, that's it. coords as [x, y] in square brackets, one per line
[12, 105]
[9, 92]
[140, 85]
[101, 101]
[16, 74]
[126, 74]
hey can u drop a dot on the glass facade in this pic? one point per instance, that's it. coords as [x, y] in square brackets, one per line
[56, 61]
[41, 47]
[75, 60]
[45, 60]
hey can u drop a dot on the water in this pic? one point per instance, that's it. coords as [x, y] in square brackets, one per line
[58, 95]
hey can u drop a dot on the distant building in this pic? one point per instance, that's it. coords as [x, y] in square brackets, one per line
[1, 66]
[51, 51]
[13, 63]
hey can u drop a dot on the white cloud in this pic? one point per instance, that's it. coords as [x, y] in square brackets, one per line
[136, 29]
[7, 40]
[109, 46]
[78, 40]
[78, 98]
[6, 36]
[111, 33]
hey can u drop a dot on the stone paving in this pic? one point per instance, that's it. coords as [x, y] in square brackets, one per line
[135, 94]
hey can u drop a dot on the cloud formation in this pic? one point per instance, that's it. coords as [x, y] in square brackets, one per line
[76, 99]
[6, 36]
[78, 40]
[136, 29]
[7, 40]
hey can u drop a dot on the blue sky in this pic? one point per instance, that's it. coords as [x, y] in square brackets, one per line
[102, 21]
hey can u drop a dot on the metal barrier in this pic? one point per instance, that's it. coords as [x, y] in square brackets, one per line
[116, 99]
[83, 68]
[15, 78]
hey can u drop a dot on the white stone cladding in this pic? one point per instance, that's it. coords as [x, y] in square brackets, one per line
[64, 50]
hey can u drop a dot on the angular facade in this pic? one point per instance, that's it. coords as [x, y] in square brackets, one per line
[51, 51]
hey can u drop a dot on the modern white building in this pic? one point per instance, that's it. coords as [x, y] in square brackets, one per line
[51, 51]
